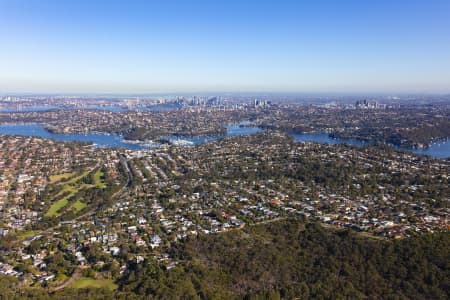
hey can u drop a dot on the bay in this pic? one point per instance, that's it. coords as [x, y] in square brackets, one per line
[438, 150]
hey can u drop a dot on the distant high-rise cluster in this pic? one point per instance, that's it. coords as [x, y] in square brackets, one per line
[364, 104]
[199, 101]
[261, 103]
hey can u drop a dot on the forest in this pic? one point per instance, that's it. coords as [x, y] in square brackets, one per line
[291, 258]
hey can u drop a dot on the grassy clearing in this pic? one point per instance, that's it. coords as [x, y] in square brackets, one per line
[67, 188]
[78, 206]
[71, 188]
[77, 178]
[59, 177]
[26, 234]
[98, 179]
[85, 282]
[61, 277]
[53, 211]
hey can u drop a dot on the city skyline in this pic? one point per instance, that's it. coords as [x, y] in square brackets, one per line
[227, 46]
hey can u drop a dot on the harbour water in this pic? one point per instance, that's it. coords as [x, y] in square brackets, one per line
[112, 108]
[438, 150]
[99, 139]
[326, 139]
[114, 140]
[28, 109]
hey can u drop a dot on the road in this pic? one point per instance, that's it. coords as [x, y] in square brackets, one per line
[75, 276]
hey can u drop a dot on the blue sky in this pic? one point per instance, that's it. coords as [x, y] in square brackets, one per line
[197, 46]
